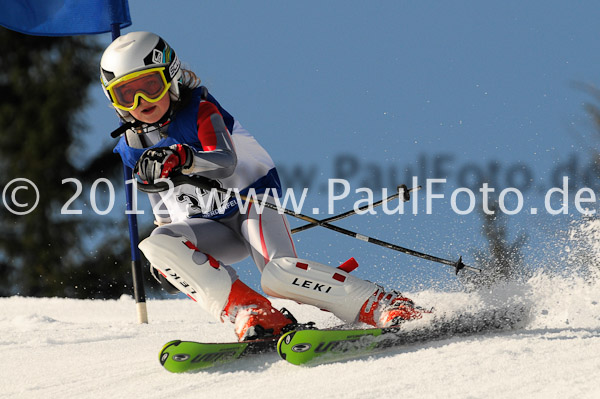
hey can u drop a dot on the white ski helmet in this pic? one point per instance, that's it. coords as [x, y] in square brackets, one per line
[134, 52]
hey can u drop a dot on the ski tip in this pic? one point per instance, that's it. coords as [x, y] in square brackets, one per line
[175, 342]
[284, 340]
[163, 355]
[294, 347]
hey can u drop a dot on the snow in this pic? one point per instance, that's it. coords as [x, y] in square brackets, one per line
[63, 348]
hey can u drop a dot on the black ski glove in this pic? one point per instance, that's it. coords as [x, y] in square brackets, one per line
[161, 162]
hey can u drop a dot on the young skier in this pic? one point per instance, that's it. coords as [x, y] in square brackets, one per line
[174, 126]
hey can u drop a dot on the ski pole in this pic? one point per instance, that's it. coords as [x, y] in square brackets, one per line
[207, 184]
[139, 293]
[401, 190]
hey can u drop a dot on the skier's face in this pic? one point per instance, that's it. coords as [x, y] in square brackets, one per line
[151, 112]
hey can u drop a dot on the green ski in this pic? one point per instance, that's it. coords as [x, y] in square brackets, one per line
[308, 347]
[321, 346]
[183, 356]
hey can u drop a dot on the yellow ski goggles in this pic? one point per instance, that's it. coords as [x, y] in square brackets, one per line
[149, 84]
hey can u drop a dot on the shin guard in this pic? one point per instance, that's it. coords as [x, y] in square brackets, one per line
[194, 273]
[316, 284]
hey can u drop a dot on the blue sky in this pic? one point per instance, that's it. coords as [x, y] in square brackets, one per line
[389, 86]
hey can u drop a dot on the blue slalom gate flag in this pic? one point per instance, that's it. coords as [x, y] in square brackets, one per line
[63, 17]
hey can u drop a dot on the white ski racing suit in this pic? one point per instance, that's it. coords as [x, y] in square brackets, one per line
[194, 246]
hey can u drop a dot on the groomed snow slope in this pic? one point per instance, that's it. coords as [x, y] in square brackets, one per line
[65, 348]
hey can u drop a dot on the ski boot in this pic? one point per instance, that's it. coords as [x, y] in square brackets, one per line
[389, 309]
[254, 316]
